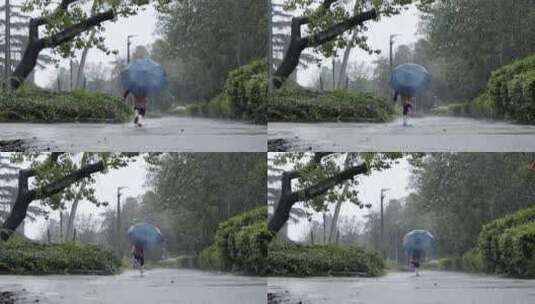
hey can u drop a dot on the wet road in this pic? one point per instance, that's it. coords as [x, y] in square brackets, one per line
[431, 134]
[404, 288]
[156, 286]
[168, 134]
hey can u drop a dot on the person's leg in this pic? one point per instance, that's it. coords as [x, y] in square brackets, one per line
[141, 115]
[405, 114]
[136, 115]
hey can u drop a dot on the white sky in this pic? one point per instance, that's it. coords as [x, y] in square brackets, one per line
[106, 185]
[143, 25]
[405, 24]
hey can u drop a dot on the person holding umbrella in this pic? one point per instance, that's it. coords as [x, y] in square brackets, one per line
[141, 78]
[143, 237]
[408, 80]
[416, 244]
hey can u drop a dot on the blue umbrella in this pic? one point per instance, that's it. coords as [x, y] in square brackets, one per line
[144, 77]
[410, 79]
[418, 240]
[144, 235]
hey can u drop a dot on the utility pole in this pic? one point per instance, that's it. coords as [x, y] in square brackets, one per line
[392, 53]
[119, 229]
[383, 191]
[270, 46]
[7, 63]
[128, 44]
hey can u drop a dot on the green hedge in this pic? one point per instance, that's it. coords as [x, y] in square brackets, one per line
[23, 257]
[240, 244]
[27, 104]
[286, 259]
[505, 243]
[511, 92]
[295, 104]
[245, 96]
[472, 261]
[247, 89]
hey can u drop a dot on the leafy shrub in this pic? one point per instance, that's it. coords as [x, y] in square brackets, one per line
[247, 90]
[497, 234]
[245, 96]
[23, 257]
[485, 106]
[295, 104]
[27, 104]
[184, 261]
[472, 261]
[450, 264]
[286, 259]
[512, 89]
[243, 241]
[517, 248]
[210, 258]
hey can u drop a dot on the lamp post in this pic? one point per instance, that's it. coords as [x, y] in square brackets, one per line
[128, 44]
[119, 228]
[383, 191]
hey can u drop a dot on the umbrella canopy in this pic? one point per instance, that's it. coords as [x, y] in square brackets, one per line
[144, 77]
[410, 79]
[144, 235]
[418, 240]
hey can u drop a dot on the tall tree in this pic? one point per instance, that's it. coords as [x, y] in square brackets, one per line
[318, 180]
[201, 190]
[326, 22]
[206, 39]
[466, 190]
[50, 178]
[476, 37]
[63, 27]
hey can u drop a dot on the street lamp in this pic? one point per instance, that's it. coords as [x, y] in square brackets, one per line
[128, 44]
[119, 228]
[392, 51]
[383, 191]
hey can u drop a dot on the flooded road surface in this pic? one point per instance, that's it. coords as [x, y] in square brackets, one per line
[156, 286]
[403, 288]
[431, 134]
[168, 134]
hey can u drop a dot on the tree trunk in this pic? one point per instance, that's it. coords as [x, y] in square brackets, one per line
[343, 68]
[80, 74]
[72, 213]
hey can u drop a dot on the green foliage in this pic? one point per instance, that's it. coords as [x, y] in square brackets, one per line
[472, 261]
[485, 106]
[242, 242]
[245, 96]
[292, 104]
[512, 88]
[225, 35]
[23, 257]
[210, 258]
[474, 38]
[29, 104]
[247, 90]
[464, 191]
[183, 261]
[505, 243]
[286, 259]
[322, 19]
[450, 264]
